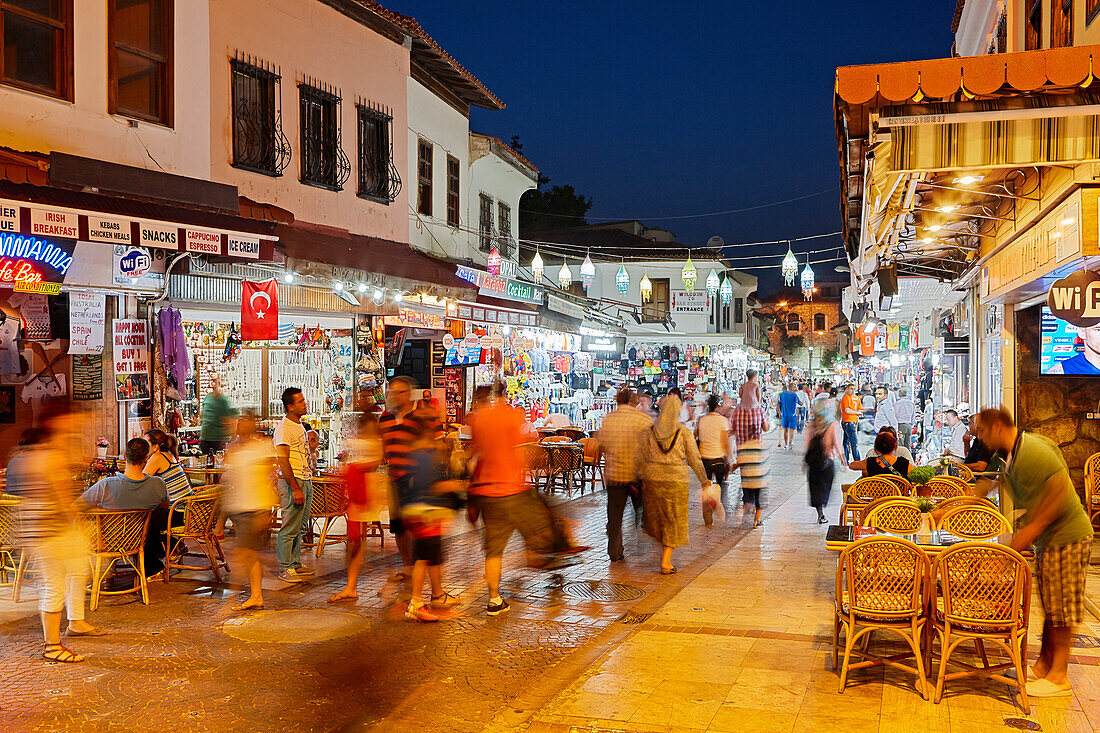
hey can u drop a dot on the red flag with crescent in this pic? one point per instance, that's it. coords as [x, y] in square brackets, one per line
[260, 311]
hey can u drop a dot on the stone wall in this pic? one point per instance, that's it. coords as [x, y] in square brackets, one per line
[1055, 406]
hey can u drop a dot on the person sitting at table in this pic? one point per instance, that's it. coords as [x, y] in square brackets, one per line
[558, 420]
[132, 490]
[901, 452]
[164, 462]
[979, 457]
[886, 462]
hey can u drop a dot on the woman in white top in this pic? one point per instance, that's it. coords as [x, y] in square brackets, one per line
[713, 433]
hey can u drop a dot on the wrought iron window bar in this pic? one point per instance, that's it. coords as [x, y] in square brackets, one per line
[379, 179]
[324, 163]
[259, 144]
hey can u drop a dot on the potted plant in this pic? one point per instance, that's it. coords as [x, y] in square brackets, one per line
[101, 446]
[919, 476]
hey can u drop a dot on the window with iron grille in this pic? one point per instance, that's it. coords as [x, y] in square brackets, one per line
[140, 59]
[36, 46]
[378, 177]
[1033, 24]
[1061, 23]
[324, 162]
[485, 223]
[819, 322]
[259, 144]
[504, 228]
[424, 177]
[452, 191]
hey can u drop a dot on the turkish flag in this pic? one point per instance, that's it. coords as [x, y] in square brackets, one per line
[260, 311]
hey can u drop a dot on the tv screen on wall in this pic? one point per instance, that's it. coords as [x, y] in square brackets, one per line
[1067, 349]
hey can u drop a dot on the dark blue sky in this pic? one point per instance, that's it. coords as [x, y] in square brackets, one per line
[670, 108]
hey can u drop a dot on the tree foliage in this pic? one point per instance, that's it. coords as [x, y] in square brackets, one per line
[550, 207]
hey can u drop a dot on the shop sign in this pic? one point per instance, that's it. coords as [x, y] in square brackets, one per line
[9, 218]
[209, 243]
[448, 340]
[244, 247]
[24, 286]
[697, 301]
[163, 236]
[29, 260]
[1076, 299]
[48, 223]
[416, 319]
[134, 262]
[502, 287]
[604, 344]
[131, 353]
[488, 314]
[108, 231]
[87, 319]
[565, 307]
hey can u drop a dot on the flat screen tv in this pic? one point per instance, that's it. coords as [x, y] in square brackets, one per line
[1062, 348]
[461, 355]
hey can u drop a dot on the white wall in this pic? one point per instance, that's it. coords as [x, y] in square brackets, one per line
[976, 26]
[37, 123]
[432, 119]
[498, 178]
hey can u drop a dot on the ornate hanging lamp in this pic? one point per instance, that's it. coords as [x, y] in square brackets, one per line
[808, 281]
[726, 291]
[712, 283]
[537, 267]
[588, 272]
[622, 279]
[790, 266]
[565, 276]
[494, 261]
[647, 289]
[689, 275]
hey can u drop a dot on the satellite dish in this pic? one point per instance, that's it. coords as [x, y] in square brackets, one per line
[715, 242]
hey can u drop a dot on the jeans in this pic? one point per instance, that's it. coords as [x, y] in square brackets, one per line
[851, 441]
[288, 543]
[801, 418]
[617, 495]
[905, 433]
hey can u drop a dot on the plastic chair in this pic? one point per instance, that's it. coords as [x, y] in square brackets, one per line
[986, 596]
[862, 493]
[200, 517]
[896, 514]
[974, 522]
[114, 536]
[940, 488]
[881, 584]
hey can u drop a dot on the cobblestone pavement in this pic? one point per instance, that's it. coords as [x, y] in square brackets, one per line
[188, 662]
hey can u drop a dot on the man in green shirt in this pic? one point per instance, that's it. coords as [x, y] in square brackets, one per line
[1055, 522]
[216, 416]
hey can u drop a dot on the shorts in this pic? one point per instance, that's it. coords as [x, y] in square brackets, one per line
[752, 496]
[252, 529]
[789, 421]
[503, 515]
[427, 540]
[1061, 572]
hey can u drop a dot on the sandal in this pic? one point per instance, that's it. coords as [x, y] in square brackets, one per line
[668, 571]
[58, 653]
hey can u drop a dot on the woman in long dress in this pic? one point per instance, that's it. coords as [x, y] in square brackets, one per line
[824, 444]
[667, 450]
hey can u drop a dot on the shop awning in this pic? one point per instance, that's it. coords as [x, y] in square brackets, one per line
[371, 254]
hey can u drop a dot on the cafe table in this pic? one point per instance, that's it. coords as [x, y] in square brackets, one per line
[208, 474]
[839, 537]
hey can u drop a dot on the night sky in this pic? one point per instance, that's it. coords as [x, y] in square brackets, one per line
[658, 109]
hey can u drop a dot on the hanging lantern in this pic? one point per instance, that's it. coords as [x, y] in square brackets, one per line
[808, 281]
[647, 289]
[790, 267]
[726, 291]
[712, 283]
[588, 272]
[689, 275]
[494, 261]
[623, 279]
[537, 267]
[565, 276]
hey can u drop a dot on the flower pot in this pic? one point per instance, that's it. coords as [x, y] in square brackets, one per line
[101, 451]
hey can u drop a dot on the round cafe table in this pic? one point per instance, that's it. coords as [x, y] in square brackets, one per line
[208, 475]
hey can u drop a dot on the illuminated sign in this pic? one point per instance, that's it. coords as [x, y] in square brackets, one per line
[416, 319]
[604, 344]
[33, 260]
[1076, 299]
[23, 286]
[502, 287]
[164, 236]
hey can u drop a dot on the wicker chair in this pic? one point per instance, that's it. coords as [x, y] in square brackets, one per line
[896, 514]
[328, 503]
[953, 502]
[955, 470]
[862, 493]
[593, 463]
[10, 542]
[114, 536]
[574, 434]
[902, 482]
[986, 595]
[536, 461]
[566, 463]
[882, 583]
[974, 522]
[940, 488]
[200, 517]
[1092, 484]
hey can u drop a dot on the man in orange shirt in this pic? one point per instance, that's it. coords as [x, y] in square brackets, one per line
[850, 410]
[499, 490]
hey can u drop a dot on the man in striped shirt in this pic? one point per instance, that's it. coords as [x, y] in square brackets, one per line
[748, 425]
[397, 443]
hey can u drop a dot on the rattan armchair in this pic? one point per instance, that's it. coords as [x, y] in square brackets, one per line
[896, 514]
[328, 502]
[986, 596]
[200, 516]
[901, 481]
[574, 434]
[955, 470]
[10, 541]
[593, 463]
[1092, 487]
[566, 463]
[862, 493]
[974, 522]
[882, 583]
[953, 502]
[941, 488]
[536, 461]
[114, 536]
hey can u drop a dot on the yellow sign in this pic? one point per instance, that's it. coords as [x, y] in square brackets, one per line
[22, 286]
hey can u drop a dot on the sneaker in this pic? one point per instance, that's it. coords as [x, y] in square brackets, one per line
[446, 600]
[305, 572]
[758, 525]
[420, 613]
[495, 609]
[289, 576]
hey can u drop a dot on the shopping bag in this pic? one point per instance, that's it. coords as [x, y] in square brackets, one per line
[712, 501]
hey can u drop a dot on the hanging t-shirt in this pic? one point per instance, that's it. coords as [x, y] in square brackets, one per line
[9, 349]
[866, 342]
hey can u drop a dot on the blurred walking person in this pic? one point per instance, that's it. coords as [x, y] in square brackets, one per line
[366, 496]
[618, 440]
[295, 486]
[668, 450]
[788, 416]
[713, 433]
[396, 444]
[850, 409]
[749, 425]
[904, 411]
[824, 444]
[249, 495]
[217, 415]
